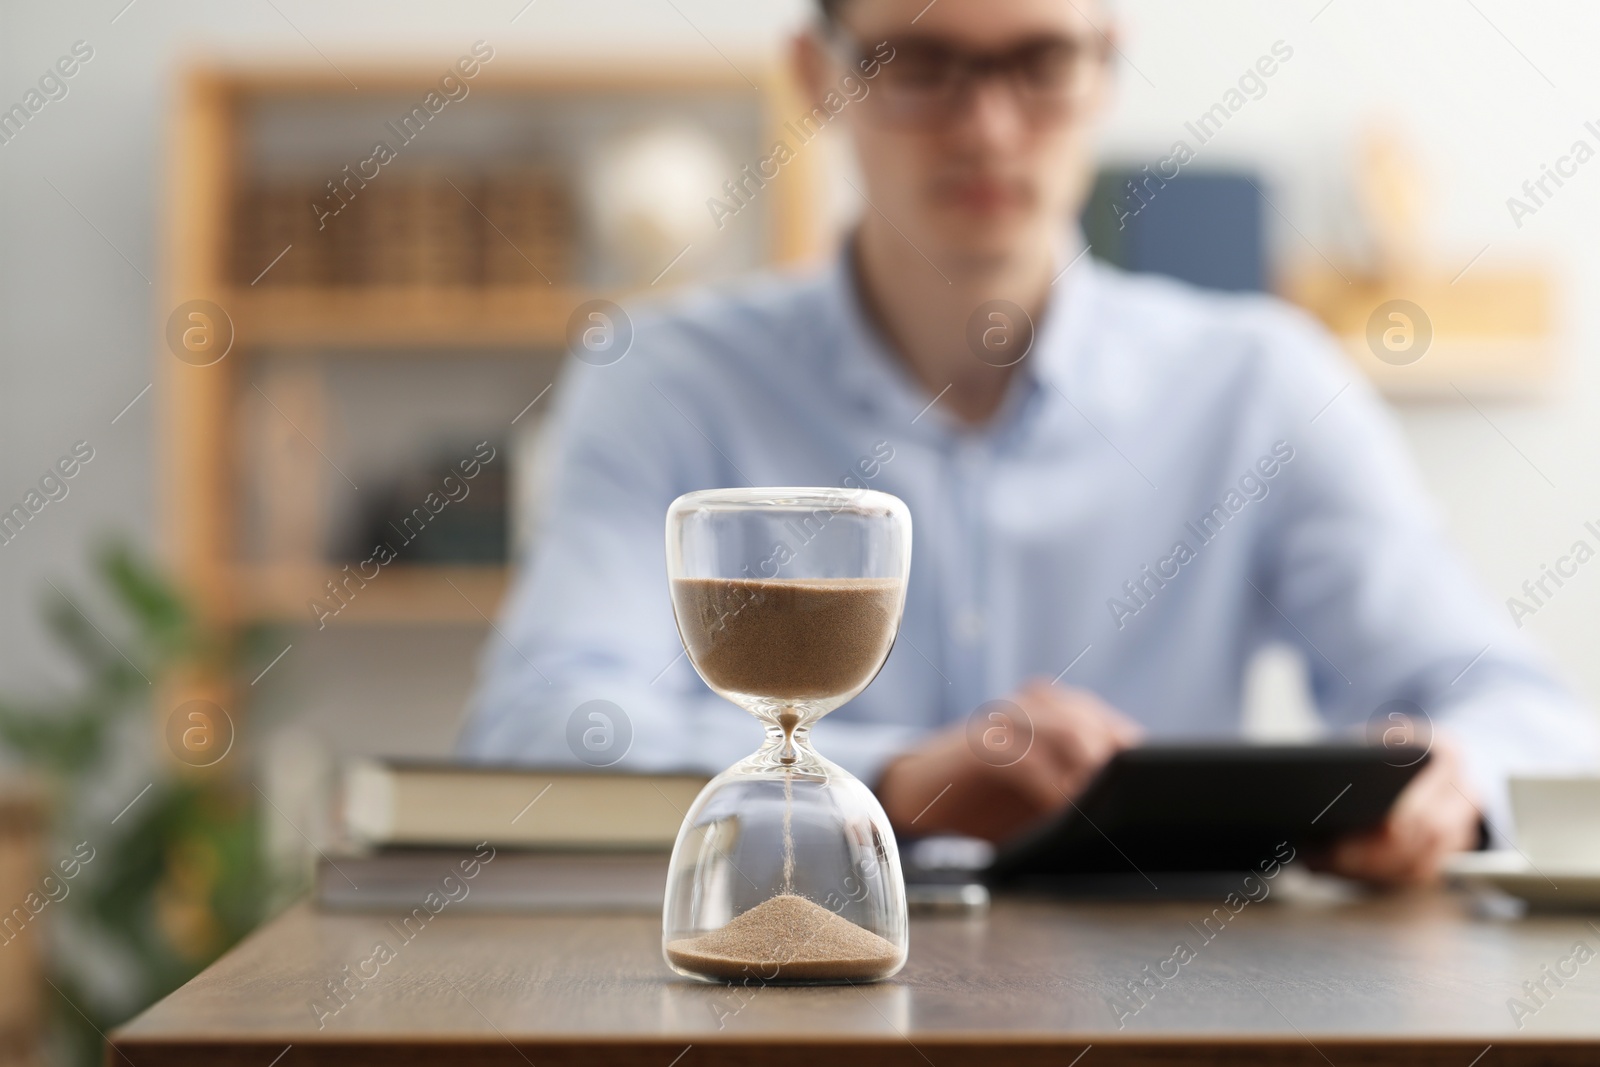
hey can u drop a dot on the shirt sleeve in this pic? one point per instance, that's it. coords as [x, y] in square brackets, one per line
[588, 628]
[1355, 570]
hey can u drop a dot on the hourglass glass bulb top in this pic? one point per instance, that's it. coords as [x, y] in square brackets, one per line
[794, 641]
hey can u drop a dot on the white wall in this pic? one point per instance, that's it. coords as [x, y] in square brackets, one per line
[78, 323]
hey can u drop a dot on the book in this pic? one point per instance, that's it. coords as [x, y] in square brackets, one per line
[430, 227]
[397, 802]
[486, 879]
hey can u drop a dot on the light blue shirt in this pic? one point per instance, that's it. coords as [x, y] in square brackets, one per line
[1175, 478]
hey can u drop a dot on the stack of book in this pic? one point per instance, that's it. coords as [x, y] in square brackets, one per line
[536, 840]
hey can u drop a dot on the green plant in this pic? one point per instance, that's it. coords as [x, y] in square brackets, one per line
[178, 876]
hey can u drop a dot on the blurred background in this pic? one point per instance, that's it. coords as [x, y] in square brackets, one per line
[240, 346]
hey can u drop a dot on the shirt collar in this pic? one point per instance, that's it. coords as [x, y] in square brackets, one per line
[871, 374]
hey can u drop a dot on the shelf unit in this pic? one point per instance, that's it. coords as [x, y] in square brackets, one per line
[199, 409]
[394, 316]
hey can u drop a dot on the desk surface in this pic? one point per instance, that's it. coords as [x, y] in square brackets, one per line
[1416, 979]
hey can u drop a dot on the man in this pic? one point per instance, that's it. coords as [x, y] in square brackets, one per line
[1106, 527]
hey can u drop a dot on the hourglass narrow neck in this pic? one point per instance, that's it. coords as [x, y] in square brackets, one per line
[792, 749]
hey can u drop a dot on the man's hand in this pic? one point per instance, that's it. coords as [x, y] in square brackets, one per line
[1433, 817]
[953, 783]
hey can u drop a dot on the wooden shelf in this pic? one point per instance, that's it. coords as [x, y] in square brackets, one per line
[1492, 331]
[411, 316]
[586, 75]
[213, 455]
[400, 593]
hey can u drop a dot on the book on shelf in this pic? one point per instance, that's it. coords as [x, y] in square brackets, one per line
[388, 803]
[428, 228]
[532, 240]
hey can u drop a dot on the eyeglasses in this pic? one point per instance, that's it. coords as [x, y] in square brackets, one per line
[924, 81]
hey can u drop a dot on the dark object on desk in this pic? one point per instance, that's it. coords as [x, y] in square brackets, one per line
[936, 891]
[947, 897]
[1209, 808]
[944, 874]
[1202, 227]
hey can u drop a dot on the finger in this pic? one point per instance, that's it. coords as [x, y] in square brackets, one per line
[1126, 730]
[1379, 855]
[1354, 856]
[1046, 730]
[1408, 849]
[1077, 727]
[1047, 792]
[1059, 756]
[1078, 752]
[1045, 768]
[1412, 831]
[1426, 861]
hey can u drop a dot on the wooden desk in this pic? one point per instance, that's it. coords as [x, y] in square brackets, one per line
[1411, 980]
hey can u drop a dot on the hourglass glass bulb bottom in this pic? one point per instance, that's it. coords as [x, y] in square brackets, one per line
[788, 938]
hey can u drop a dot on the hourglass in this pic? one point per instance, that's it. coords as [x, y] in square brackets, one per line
[785, 869]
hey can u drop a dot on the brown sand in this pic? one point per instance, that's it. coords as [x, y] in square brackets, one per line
[787, 938]
[787, 638]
